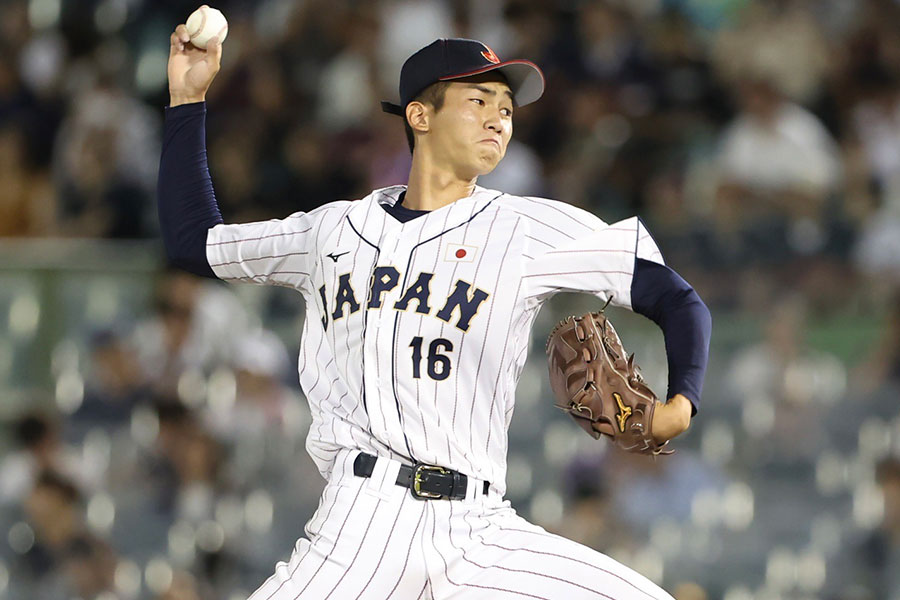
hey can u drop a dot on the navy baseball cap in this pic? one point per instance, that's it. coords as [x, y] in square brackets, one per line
[453, 58]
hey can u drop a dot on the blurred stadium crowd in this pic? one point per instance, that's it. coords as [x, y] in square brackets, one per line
[162, 455]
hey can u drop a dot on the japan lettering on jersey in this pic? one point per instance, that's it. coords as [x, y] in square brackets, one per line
[423, 327]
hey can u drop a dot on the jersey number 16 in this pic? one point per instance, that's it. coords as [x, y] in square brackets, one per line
[438, 365]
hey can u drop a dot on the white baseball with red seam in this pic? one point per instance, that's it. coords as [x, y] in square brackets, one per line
[204, 23]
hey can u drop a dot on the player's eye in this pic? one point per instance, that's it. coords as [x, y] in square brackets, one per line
[478, 101]
[507, 112]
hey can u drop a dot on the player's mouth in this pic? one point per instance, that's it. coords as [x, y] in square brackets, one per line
[491, 141]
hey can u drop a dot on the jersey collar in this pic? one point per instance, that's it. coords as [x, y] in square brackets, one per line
[372, 224]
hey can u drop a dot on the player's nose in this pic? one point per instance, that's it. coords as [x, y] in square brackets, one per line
[495, 120]
[493, 123]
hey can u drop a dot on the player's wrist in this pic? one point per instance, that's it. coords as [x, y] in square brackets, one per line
[682, 404]
[672, 418]
[179, 99]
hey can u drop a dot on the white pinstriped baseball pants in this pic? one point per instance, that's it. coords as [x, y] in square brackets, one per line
[370, 539]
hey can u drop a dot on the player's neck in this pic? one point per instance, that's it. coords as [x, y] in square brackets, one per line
[431, 187]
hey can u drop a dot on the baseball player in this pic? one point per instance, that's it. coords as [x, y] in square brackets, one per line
[420, 299]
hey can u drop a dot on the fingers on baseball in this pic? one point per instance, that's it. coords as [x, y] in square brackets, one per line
[179, 38]
[214, 51]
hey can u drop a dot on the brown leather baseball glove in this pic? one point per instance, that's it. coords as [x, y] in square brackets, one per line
[599, 385]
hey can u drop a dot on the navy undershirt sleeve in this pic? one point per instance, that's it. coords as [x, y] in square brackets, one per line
[185, 198]
[661, 295]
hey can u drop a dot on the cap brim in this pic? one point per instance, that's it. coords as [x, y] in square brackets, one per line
[526, 80]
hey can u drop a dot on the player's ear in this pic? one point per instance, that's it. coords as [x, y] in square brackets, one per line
[417, 116]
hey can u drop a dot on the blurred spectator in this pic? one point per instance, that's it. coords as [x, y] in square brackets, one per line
[532, 30]
[689, 590]
[591, 518]
[42, 450]
[593, 131]
[611, 48]
[784, 377]
[663, 488]
[882, 365]
[55, 512]
[190, 464]
[868, 570]
[876, 119]
[197, 324]
[104, 161]
[519, 173]
[261, 398]
[184, 587]
[27, 203]
[164, 343]
[116, 384]
[90, 566]
[406, 26]
[878, 248]
[391, 158]
[233, 157]
[776, 159]
[782, 38]
[347, 88]
[52, 510]
[308, 176]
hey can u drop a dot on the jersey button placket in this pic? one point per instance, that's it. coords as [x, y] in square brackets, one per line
[398, 255]
[379, 343]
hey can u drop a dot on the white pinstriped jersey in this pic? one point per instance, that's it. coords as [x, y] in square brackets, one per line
[423, 327]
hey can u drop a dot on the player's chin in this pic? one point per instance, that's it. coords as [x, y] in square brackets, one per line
[488, 161]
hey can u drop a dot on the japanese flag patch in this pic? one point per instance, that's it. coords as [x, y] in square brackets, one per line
[460, 253]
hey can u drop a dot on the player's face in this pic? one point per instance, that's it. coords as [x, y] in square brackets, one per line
[472, 129]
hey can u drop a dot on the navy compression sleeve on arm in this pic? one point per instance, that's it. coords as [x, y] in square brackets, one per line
[186, 200]
[661, 295]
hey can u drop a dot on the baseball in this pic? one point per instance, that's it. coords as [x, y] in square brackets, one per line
[204, 23]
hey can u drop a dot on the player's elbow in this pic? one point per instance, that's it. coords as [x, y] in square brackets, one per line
[190, 257]
[704, 318]
[695, 310]
[177, 259]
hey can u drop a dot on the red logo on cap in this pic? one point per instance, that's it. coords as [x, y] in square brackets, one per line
[489, 55]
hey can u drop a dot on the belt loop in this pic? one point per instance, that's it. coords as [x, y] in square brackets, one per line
[382, 483]
[472, 489]
[476, 488]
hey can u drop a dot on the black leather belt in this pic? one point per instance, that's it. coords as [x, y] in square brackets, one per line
[425, 482]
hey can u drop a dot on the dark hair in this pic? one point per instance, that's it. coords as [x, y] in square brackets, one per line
[60, 484]
[887, 468]
[433, 95]
[172, 411]
[32, 429]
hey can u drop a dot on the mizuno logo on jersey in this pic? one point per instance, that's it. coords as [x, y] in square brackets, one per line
[462, 301]
[334, 256]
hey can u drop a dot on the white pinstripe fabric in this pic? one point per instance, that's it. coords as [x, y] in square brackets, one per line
[358, 373]
[361, 545]
[365, 386]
